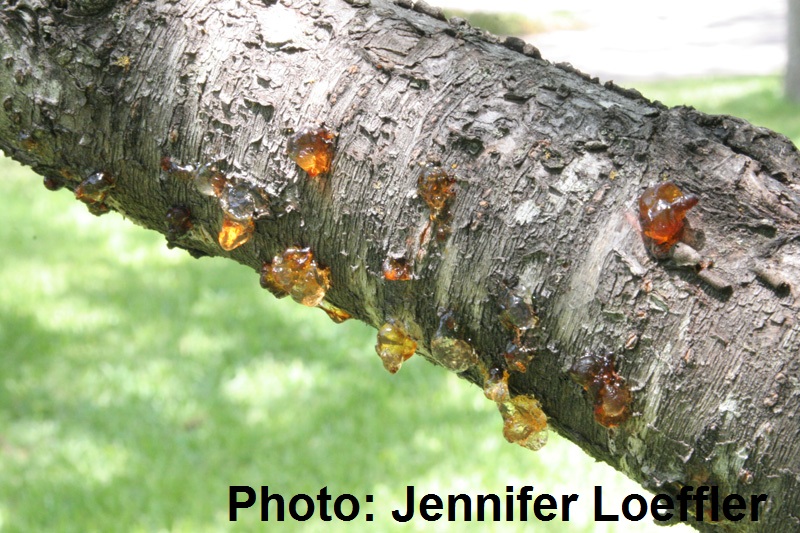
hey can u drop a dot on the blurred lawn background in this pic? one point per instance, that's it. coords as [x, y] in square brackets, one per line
[137, 383]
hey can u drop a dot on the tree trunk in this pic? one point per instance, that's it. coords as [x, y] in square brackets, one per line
[793, 43]
[549, 166]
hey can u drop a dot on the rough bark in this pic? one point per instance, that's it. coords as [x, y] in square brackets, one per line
[550, 164]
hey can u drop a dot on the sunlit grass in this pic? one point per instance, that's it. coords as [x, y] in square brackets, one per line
[137, 383]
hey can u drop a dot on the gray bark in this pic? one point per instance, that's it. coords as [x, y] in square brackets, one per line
[793, 42]
[549, 162]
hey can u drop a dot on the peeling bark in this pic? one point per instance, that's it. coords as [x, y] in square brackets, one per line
[549, 165]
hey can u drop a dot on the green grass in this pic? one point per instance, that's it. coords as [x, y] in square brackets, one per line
[137, 384]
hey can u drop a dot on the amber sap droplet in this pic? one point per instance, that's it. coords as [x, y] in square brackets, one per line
[241, 200]
[312, 149]
[612, 404]
[94, 189]
[517, 357]
[98, 208]
[396, 269]
[495, 385]
[452, 353]
[237, 200]
[235, 233]
[176, 171]
[516, 313]
[394, 346]
[53, 183]
[585, 370]
[524, 422]
[436, 186]
[662, 209]
[442, 232]
[93, 192]
[610, 394]
[335, 313]
[179, 222]
[166, 163]
[209, 181]
[268, 281]
[296, 272]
